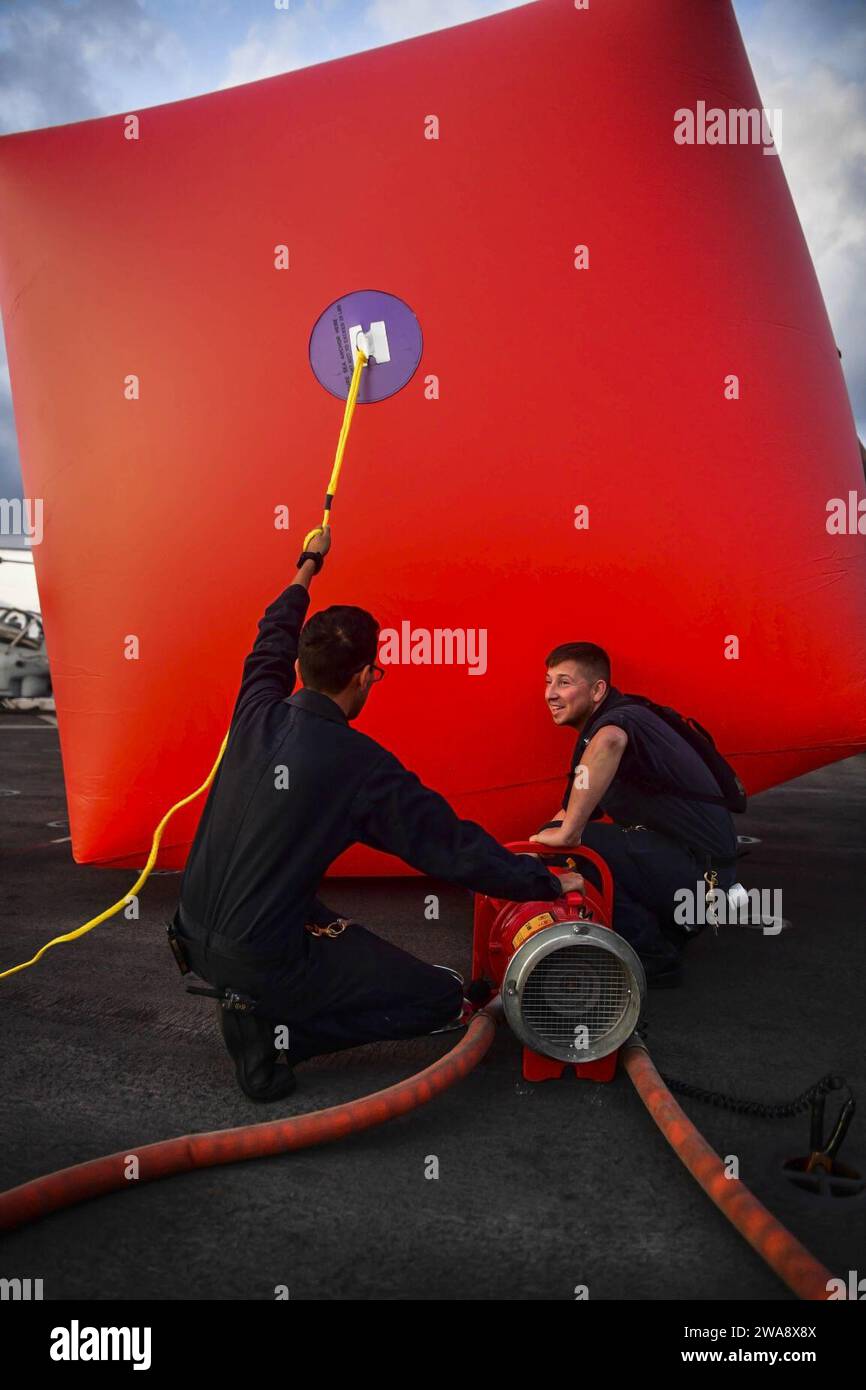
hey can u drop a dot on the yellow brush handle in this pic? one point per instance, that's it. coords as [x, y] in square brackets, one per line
[352, 397]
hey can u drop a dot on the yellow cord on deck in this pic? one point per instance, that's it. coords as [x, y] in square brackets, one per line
[360, 363]
[145, 873]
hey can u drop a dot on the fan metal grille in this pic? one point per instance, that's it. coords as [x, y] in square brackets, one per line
[573, 988]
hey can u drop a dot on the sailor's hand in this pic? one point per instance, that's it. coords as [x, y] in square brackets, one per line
[571, 883]
[320, 543]
[316, 546]
[549, 837]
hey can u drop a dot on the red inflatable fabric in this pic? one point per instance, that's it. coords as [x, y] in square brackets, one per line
[551, 380]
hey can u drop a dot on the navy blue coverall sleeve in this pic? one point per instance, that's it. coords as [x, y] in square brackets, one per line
[269, 670]
[395, 812]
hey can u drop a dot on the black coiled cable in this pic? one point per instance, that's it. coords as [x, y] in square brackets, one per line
[762, 1108]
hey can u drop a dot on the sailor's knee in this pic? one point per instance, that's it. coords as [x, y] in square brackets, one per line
[445, 993]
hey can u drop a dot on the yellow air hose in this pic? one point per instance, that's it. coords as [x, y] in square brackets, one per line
[351, 400]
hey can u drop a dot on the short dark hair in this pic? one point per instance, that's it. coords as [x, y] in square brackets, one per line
[593, 660]
[334, 644]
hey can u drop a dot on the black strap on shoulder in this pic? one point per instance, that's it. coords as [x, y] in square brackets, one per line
[732, 793]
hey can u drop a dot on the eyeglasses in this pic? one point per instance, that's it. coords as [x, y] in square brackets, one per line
[378, 672]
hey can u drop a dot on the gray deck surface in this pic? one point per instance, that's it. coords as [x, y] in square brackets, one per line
[541, 1188]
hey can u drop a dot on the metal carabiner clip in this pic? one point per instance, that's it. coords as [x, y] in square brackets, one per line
[711, 879]
[823, 1152]
[332, 929]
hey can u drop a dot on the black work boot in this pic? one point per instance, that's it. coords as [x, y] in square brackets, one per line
[250, 1044]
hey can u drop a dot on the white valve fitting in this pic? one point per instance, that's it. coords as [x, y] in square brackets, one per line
[374, 342]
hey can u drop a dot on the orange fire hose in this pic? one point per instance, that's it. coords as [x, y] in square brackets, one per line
[784, 1254]
[802, 1273]
[117, 1171]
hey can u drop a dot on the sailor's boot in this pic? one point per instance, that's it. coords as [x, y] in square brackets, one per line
[250, 1044]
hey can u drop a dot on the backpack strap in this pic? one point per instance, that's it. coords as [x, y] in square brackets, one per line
[732, 793]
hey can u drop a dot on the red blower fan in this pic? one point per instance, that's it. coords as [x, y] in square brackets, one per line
[572, 990]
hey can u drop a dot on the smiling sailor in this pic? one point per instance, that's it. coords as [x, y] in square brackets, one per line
[296, 787]
[666, 789]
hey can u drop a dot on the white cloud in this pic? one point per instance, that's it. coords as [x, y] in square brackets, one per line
[268, 49]
[283, 40]
[403, 19]
[71, 62]
[808, 61]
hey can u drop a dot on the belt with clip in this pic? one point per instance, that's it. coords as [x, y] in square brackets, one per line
[332, 929]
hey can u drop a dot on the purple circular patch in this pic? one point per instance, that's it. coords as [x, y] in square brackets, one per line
[331, 355]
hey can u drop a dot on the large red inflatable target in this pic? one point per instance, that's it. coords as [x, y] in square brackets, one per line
[626, 425]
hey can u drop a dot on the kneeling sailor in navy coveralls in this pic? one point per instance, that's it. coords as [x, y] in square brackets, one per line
[296, 787]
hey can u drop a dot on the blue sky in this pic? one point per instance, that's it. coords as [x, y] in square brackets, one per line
[67, 60]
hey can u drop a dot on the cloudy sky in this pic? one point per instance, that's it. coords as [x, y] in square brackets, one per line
[67, 60]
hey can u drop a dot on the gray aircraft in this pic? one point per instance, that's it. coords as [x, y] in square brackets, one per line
[24, 672]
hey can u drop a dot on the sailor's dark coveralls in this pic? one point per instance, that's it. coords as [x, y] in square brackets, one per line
[676, 838]
[297, 785]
